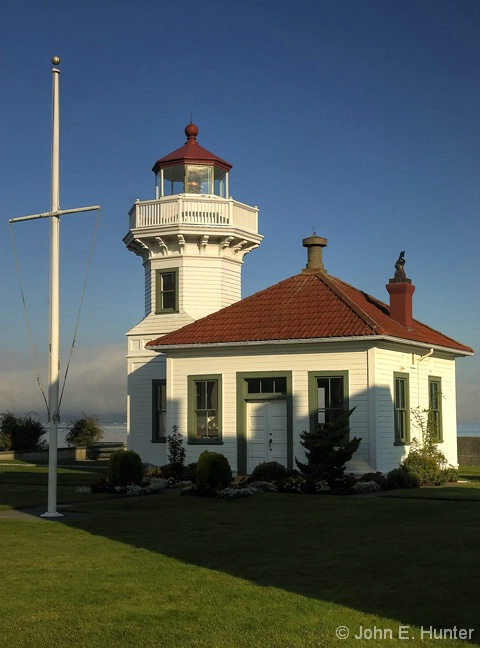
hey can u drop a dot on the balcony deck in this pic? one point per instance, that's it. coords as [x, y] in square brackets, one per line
[188, 209]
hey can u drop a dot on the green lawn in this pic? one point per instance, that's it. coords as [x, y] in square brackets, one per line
[25, 485]
[271, 571]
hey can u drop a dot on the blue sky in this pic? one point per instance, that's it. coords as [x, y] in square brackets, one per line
[357, 119]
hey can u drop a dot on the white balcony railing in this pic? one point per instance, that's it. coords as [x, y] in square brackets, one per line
[182, 209]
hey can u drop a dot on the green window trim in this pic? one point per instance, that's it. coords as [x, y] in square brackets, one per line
[205, 404]
[166, 291]
[243, 396]
[313, 404]
[435, 406]
[401, 408]
[159, 411]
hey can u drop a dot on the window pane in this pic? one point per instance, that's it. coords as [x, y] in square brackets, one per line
[212, 394]
[253, 385]
[434, 391]
[400, 393]
[321, 397]
[280, 386]
[267, 386]
[201, 395]
[336, 393]
[206, 423]
[199, 179]
[161, 424]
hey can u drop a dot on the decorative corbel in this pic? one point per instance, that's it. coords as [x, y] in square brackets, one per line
[181, 242]
[162, 245]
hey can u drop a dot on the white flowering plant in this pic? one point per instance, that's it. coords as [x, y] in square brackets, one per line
[363, 487]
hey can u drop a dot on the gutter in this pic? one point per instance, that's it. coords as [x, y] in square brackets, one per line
[352, 338]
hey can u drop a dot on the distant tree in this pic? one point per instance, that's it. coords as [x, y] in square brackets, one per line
[84, 432]
[21, 433]
[327, 449]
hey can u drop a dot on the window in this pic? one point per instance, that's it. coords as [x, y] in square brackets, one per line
[330, 401]
[266, 385]
[328, 398]
[198, 179]
[159, 411]
[435, 407]
[204, 409]
[167, 291]
[401, 409]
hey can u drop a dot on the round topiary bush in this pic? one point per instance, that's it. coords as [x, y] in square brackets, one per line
[401, 478]
[270, 471]
[213, 473]
[125, 467]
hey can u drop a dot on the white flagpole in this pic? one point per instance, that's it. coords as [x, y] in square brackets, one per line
[54, 339]
[54, 358]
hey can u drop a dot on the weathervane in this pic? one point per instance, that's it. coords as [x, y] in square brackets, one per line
[54, 331]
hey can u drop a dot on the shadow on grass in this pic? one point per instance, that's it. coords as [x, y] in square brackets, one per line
[406, 559]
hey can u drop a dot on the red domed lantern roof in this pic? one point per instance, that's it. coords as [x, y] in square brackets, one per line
[191, 153]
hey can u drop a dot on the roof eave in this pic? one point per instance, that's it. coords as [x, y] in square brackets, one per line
[165, 348]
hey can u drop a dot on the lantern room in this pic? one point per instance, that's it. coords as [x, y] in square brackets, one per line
[191, 169]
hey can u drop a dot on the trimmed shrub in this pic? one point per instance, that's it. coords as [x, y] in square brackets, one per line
[450, 474]
[423, 468]
[190, 472]
[270, 471]
[377, 477]
[168, 471]
[84, 432]
[125, 467]
[213, 473]
[401, 478]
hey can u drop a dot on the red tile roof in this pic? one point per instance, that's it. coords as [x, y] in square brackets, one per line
[306, 306]
[191, 153]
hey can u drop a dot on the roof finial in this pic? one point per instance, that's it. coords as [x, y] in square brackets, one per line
[191, 131]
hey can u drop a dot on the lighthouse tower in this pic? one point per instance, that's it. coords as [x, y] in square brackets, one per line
[192, 239]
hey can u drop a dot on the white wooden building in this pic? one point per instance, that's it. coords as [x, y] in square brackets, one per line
[246, 377]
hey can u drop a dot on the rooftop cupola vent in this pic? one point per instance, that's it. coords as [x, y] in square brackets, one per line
[314, 245]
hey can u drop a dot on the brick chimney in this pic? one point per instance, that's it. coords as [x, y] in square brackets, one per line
[314, 245]
[401, 290]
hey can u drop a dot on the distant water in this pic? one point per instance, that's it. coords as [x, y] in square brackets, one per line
[118, 432]
[472, 429]
[111, 432]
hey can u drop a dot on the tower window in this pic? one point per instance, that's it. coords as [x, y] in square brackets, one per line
[166, 291]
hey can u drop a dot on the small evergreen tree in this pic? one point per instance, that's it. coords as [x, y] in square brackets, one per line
[176, 452]
[84, 432]
[327, 451]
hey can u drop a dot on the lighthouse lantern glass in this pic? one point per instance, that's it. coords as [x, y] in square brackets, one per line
[198, 179]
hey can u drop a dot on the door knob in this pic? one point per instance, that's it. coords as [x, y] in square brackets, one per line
[270, 442]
